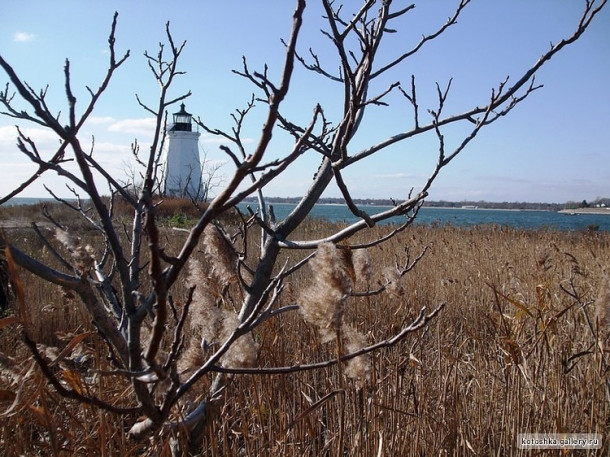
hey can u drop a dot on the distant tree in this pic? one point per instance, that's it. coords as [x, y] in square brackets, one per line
[128, 288]
[584, 204]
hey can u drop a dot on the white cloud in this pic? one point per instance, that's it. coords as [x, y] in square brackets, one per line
[18, 168]
[112, 148]
[42, 137]
[8, 135]
[144, 126]
[23, 37]
[100, 120]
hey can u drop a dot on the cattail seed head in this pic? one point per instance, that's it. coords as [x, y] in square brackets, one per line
[243, 352]
[361, 259]
[602, 305]
[394, 285]
[221, 254]
[323, 303]
[81, 254]
[214, 325]
[359, 367]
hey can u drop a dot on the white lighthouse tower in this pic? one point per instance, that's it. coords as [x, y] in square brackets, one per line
[182, 166]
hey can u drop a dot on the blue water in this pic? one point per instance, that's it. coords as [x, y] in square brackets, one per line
[29, 201]
[441, 216]
[465, 217]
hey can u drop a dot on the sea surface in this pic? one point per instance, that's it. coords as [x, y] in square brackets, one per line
[465, 217]
[460, 217]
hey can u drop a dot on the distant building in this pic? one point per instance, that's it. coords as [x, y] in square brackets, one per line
[182, 165]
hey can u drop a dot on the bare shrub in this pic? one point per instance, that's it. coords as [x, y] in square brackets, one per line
[142, 318]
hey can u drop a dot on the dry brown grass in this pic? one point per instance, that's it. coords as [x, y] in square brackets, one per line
[512, 352]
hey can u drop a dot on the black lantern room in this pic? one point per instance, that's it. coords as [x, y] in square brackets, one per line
[182, 120]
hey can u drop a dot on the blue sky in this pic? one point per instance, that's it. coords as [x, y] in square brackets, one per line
[554, 147]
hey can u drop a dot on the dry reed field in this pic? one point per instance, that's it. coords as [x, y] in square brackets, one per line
[521, 346]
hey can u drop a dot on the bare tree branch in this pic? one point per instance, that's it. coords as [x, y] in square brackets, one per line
[129, 284]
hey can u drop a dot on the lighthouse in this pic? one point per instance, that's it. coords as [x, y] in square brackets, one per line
[182, 166]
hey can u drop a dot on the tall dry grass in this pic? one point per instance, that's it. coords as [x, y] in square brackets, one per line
[520, 347]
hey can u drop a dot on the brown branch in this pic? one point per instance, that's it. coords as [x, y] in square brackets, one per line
[178, 335]
[71, 393]
[400, 209]
[426, 38]
[159, 286]
[420, 322]
[298, 149]
[348, 199]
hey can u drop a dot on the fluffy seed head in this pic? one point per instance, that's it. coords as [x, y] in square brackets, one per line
[243, 352]
[394, 285]
[323, 303]
[82, 255]
[602, 305]
[361, 258]
[204, 312]
[214, 325]
[359, 367]
[221, 254]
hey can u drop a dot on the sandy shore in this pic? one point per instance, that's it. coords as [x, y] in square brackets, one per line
[586, 211]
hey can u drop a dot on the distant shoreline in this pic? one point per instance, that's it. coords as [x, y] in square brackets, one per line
[480, 205]
[465, 208]
[470, 208]
[443, 204]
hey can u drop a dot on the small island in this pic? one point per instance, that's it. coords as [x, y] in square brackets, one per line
[589, 210]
